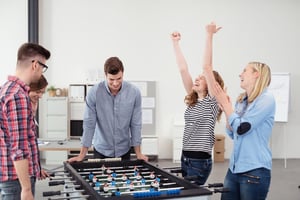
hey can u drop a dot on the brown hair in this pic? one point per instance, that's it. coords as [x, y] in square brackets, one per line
[113, 65]
[192, 98]
[40, 84]
[29, 50]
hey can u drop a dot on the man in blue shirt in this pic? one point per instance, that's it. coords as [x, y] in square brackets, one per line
[113, 116]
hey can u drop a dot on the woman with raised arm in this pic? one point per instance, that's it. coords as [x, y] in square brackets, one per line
[201, 113]
[250, 125]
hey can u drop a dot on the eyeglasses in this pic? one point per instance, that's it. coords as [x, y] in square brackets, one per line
[45, 67]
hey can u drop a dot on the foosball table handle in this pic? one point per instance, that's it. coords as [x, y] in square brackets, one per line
[51, 193]
[221, 190]
[215, 185]
[52, 183]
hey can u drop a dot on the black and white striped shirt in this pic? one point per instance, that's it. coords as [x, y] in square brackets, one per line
[200, 121]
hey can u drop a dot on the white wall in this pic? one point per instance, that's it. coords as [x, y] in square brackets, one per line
[82, 34]
[13, 32]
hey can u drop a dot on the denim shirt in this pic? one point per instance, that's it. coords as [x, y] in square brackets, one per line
[251, 149]
[112, 123]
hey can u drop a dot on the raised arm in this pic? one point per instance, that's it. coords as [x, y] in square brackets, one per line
[211, 29]
[181, 62]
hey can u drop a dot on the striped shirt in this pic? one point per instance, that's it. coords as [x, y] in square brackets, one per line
[199, 127]
[17, 130]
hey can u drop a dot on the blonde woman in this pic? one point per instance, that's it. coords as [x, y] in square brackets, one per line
[250, 125]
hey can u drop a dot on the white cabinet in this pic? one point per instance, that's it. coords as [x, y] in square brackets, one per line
[56, 127]
[177, 131]
[57, 118]
[150, 146]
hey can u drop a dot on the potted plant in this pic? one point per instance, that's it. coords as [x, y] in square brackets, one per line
[51, 91]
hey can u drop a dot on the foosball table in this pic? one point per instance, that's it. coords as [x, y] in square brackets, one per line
[109, 179]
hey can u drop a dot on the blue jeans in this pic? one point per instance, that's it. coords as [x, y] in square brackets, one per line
[251, 185]
[198, 169]
[11, 190]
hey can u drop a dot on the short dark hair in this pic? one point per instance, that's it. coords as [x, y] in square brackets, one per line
[28, 50]
[40, 84]
[113, 65]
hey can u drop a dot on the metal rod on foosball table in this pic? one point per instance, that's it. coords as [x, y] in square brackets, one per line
[101, 174]
[75, 197]
[59, 178]
[53, 193]
[144, 186]
[58, 173]
[72, 186]
[102, 160]
[116, 169]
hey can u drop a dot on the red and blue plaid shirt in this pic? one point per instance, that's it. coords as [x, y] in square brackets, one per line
[17, 130]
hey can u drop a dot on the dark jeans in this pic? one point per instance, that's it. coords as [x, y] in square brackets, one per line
[251, 185]
[197, 169]
[126, 156]
[11, 190]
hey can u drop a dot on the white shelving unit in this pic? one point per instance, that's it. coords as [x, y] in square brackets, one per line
[57, 127]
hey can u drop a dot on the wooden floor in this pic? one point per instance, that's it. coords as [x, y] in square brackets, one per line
[284, 184]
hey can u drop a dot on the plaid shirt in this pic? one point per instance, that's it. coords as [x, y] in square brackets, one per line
[17, 130]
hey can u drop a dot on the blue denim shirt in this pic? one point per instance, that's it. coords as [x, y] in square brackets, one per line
[251, 150]
[112, 123]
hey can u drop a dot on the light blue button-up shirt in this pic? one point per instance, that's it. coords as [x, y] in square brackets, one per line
[112, 123]
[251, 150]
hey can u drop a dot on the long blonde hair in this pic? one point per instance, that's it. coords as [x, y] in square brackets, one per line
[261, 83]
[192, 98]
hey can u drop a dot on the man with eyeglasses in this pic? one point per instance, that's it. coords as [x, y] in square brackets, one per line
[19, 167]
[45, 67]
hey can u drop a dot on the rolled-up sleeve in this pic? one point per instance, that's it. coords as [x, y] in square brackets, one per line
[19, 126]
[136, 122]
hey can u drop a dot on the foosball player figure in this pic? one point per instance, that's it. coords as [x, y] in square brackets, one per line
[95, 179]
[131, 187]
[97, 185]
[103, 168]
[109, 178]
[105, 188]
[155, 185]
[124, 177]
[108, 171]
[138, 176]
[143, 181]
[152, 175]
[113, 184]
[136, 169]
[128, 182]
[90, 176]
[114, 175]
[116, 193]
[140, 179]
